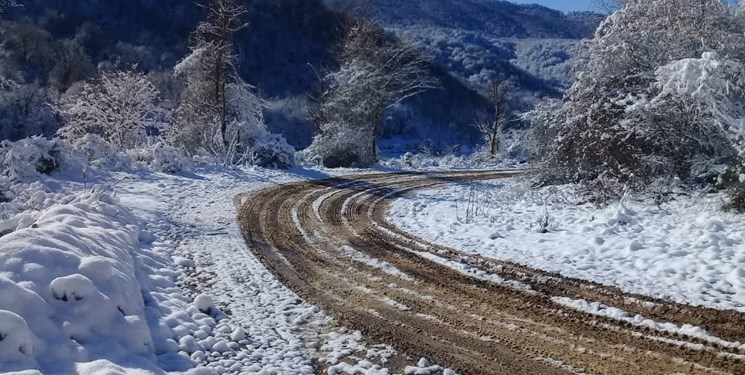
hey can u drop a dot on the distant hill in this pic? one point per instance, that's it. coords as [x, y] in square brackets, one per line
[493, 17]
[480, 39]
[477, 41]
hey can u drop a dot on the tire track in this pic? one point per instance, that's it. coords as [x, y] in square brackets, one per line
[506, 323]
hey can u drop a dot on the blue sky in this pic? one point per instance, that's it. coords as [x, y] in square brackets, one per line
[565, 5]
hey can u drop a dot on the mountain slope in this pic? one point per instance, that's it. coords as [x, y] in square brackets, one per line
[497, 18]
[479, 40]
[52, 44]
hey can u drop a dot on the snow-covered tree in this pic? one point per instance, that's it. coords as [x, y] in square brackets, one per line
[218, 111]
[377, 72]
[492, 129]
[620, 119]
[121, 107]
[694, 108]
[4, 4]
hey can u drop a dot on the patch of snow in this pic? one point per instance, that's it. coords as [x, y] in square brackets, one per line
[386, 267]
[686, 250]
[597, 308]
[69, 286]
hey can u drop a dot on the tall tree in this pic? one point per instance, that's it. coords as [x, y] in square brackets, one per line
[218, 110]
[377, 72]
[492, 129]
[216, 35]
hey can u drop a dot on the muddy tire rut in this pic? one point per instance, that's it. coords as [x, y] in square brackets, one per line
[329, 241]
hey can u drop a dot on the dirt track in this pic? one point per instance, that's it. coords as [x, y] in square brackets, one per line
[310, 235]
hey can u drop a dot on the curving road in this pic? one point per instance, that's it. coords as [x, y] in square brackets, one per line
[329, 241]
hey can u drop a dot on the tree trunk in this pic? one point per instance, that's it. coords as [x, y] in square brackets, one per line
[494, 136]
[378, 118]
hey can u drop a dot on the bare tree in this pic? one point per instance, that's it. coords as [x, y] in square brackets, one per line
[492, 129]
[377, 72]
[317, 100]
[216, 34]
[210, 76]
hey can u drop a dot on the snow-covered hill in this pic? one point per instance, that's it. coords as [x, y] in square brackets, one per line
[481, 39]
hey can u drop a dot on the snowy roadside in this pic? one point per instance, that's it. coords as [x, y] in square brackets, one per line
[686, 250]
[194, 219]
[277, 333]
[148, 273]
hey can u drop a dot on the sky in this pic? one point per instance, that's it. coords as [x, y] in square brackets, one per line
[563, 5]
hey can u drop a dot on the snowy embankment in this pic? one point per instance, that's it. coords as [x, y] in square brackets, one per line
[686, 250]
[148, 272]
[68, 288]
[84, 287]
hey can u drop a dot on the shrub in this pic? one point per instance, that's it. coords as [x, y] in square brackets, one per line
[29, 157]
[161, 158]
[272, 151]
[93, 147]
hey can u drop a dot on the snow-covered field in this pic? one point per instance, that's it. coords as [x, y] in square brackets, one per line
[686, 250]
[148, 273]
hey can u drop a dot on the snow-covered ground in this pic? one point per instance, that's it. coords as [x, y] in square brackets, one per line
[141, 272]
[686, 250]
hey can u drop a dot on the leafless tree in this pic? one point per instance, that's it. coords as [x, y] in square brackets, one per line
[218, 111]
[378, 71]
[317, 99]
[210, 70]
[216, 35]
[492, 129]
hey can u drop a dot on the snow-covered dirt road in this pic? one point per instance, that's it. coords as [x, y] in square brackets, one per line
[329, 241]
[268, 328]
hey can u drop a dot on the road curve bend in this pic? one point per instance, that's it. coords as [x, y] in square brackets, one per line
[328, 240]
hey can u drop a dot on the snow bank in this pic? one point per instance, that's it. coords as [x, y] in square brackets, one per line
[68, 290]
[686, 250]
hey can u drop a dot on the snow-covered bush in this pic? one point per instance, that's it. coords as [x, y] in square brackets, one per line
[29, 157]
[161, 157]
[93, 147]
[272, 151]
[101, 154]
[658, 90]
[341, 146]
[121, 107]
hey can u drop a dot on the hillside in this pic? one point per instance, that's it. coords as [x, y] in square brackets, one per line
[53, 44]
[480, 39]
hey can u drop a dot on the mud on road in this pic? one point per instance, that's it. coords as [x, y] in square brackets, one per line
[329, 241]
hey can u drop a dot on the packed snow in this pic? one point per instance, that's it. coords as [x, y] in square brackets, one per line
[600, 309]
[685, 249]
